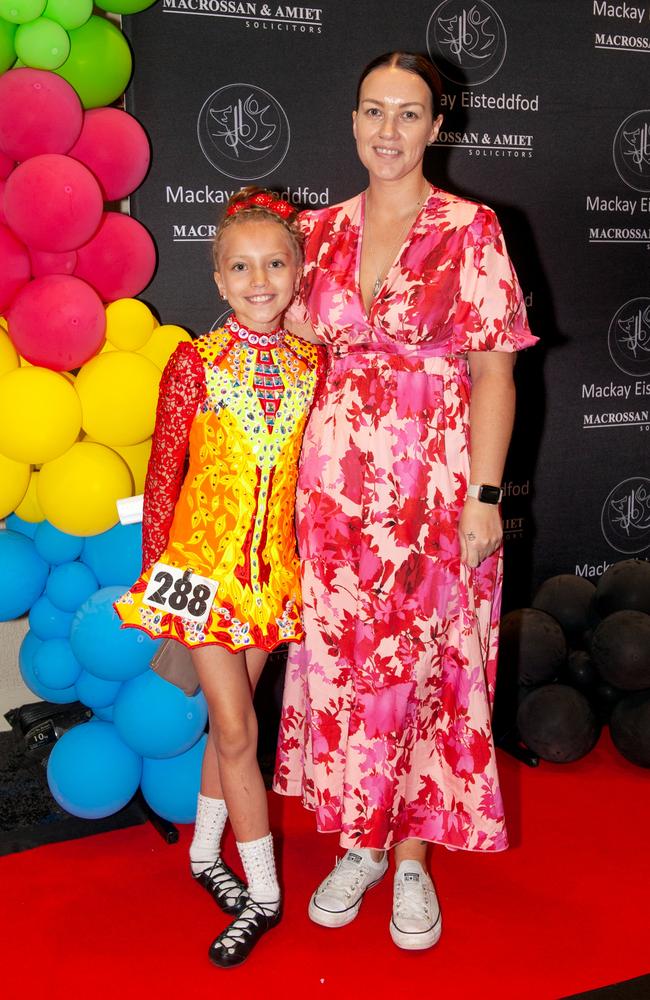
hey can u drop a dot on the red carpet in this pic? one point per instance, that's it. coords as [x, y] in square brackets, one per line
[564, 911]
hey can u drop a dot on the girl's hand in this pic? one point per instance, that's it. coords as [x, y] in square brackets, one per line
[480, 531]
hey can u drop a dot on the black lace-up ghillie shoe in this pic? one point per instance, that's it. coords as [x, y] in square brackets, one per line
[226, 888]
[234, 945]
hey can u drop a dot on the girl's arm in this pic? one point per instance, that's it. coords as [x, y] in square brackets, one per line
[182, 390]
[492, 409]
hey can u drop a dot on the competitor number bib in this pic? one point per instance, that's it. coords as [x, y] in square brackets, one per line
[180, 592]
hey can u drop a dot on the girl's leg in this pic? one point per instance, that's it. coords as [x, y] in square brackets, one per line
[232, 764]
[228, 681]
[212, 814]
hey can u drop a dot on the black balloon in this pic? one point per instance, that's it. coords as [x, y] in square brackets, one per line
[558, 723]
[532, 644]
[593, 621]
[620, 650]
[568, 599]
[630, 728]
[604, 697]
[580, 671]
[625, 586]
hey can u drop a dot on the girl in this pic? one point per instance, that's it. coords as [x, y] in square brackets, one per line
[220, 571]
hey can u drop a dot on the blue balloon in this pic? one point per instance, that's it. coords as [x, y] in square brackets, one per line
[95, 692]
[56, 546]
[102, 647]
[55, 665]
[28, 649]
[49, 622]
[69, 585]
[115, 555]
[91, 773]
[15, 523]
[171, 786]
[105, 714]
[156, 719]
[22, 574]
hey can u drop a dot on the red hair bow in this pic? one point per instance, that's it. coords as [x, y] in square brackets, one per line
[263, 199]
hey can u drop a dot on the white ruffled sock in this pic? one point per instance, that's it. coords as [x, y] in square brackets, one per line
[259, 865]
[211, 816]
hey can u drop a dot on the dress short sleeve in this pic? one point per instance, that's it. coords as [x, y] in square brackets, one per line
[297, 311]
[490, 314]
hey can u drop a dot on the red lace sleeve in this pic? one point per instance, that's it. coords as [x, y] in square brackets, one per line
[182, 389]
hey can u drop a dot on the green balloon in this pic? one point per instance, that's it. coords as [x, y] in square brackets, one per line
[42, 44]
[21, 11]
[7, 51]
[69, 13]
[124, 6]
[99, 65]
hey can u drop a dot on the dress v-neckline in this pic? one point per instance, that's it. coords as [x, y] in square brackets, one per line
[357, 266]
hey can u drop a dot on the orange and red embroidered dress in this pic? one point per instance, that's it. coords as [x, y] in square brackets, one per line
[240, 400]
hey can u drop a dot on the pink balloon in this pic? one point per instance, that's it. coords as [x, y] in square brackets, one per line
[7, 164]
[120, 259]
[39, 113]
[14, 266]
[52, 263]
[115, 147]
[53, 202]
[57, 322]
[3, 217]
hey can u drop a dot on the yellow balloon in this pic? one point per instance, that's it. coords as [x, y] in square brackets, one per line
[129, 324]
[8, 353]
[106, 348]
[118, 393]
[163, 343]
[78, 491]
[14, 480]
[40, 414]
[136, 457]
[29, 509]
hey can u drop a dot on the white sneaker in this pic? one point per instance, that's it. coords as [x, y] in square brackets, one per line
[337, 900]
[416, 922]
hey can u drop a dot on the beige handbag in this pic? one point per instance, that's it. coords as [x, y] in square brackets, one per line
[173, 662]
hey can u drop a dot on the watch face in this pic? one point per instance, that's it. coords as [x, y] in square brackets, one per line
[490, 494]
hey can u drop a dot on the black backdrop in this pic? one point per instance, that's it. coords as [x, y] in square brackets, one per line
[544, 121]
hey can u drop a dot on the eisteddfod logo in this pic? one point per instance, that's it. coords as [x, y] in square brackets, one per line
[243, 131]
[631, 150]
[629, 337]
[468, 36]
[625, 517]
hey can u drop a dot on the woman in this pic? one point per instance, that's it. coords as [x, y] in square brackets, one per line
[386, 721]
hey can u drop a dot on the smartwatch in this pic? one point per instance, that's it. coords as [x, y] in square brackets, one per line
[485, 493]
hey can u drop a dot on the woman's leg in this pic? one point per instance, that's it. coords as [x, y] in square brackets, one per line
[416, 922]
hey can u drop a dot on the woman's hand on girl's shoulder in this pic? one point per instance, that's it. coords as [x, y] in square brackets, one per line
[305, 331]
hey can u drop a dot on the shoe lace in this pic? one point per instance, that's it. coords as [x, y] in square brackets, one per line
[411, 899]
[225, 882]
[245, 924]
[345, 877]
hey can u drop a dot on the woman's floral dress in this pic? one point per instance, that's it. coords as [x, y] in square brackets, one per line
[385, 728]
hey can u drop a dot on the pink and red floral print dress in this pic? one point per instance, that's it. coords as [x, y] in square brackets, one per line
[385, 728]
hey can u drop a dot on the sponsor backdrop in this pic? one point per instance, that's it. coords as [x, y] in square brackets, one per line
[544, 120]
